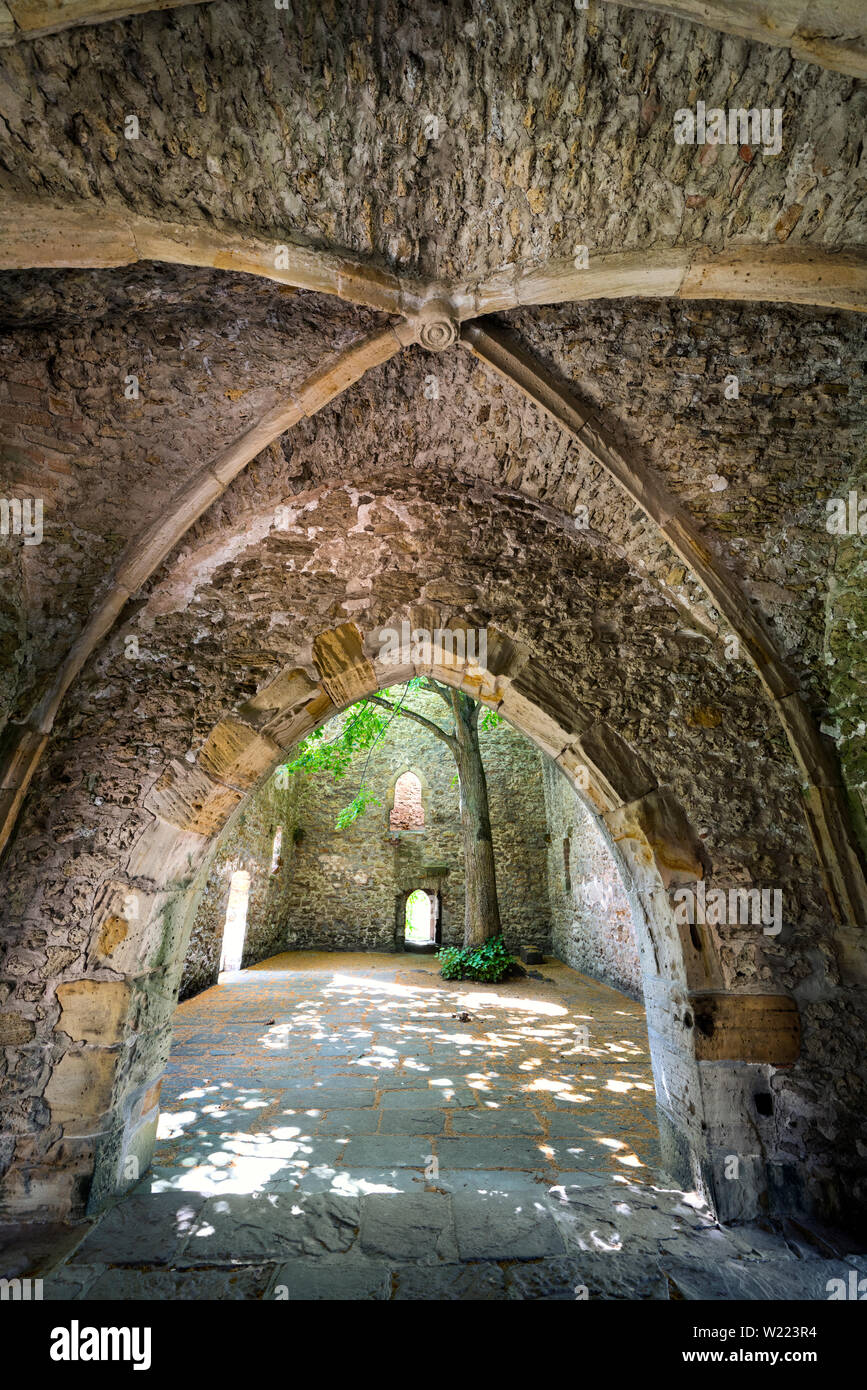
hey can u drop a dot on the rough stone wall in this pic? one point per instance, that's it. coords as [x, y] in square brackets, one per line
[346, 890]
[246, 843]
[752, 469]
[208, 352]
[591, 920]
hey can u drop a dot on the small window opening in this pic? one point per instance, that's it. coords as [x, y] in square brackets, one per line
[567, 873]
[420, 926]
[235, 928]
[407, 812]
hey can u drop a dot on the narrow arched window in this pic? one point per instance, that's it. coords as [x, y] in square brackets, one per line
[235, 927]
[407, 812]
[276, 848]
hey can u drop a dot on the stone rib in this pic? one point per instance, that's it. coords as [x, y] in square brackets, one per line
[23, 744]
[36, 234]
[825, 805]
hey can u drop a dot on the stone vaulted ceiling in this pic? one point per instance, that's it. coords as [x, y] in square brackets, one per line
[312, 202]
[321, 318]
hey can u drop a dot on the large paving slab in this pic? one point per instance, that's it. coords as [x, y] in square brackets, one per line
[267, 1226]
[350, 1278]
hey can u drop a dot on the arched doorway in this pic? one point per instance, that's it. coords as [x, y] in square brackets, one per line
[419, 917]
[420, 921]
[645, 825]
[235, 927]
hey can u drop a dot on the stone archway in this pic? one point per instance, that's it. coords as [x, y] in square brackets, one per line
[114, 1029]
[419, 918]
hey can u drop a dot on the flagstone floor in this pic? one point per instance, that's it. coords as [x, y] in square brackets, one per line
[344, 1126]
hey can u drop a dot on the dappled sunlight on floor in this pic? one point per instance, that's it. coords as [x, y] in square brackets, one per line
[362, 1059]
[354, 1127]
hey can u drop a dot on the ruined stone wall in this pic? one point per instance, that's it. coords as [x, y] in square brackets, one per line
[591, 920]
[246, 843]
[346, 890]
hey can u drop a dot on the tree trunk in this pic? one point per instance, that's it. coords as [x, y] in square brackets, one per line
[482, 911]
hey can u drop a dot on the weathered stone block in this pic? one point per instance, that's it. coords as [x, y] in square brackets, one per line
[346, 672]
[80, 1087]
[289, 727]
[186, 797]
[542, 689]
[288, 691]
[624, 774]
[15, 1029]
[165, 853]
[233, 753]
[746, 1028]
[93, 1010]
[658, 838]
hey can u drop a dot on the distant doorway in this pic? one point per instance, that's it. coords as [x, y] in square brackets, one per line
[420, 922]
[235, 928]
[419, 918]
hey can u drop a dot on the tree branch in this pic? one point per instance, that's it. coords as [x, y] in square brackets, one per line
[419, 719]
[444, 691]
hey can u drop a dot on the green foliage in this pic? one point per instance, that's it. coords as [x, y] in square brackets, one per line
[489, 962]
[360, 729]
[360, 802]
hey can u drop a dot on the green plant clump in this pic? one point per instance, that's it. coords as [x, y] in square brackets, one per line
[489, 962]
